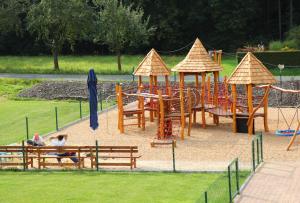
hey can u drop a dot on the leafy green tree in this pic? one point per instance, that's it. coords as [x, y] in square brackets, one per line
[11, 15]
[121, 26]
[59, 21]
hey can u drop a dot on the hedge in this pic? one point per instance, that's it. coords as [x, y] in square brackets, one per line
[291, 59]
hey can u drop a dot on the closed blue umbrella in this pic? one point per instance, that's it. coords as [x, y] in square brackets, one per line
[93, 101]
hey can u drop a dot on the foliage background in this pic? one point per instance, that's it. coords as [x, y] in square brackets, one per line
[220, 24]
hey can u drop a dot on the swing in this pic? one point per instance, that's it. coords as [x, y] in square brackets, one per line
[288, 132]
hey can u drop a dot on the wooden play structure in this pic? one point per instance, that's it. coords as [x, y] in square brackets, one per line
[239, 96]
[198, 62]
[152, 66]
[216, 55]
[289, 125]
[128, 106]
[250, 72]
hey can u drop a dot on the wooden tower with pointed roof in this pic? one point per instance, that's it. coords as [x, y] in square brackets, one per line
[198, 62]
[152, 66]
[250, 71]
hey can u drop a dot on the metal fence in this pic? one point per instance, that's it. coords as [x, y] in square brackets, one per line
[227, 186]
[257, 151]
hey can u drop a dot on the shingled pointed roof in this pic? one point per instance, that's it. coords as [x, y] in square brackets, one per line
[251, 71]
[152, 64]
[197, 61]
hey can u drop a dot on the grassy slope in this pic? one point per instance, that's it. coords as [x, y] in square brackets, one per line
[81, 64]
[41, 113]
[103, 187]
[41, 116]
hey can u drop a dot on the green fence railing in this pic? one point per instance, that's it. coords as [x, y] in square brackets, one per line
[257, 151]
[227, 186]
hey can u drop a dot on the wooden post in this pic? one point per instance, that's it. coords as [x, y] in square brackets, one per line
[189, 110]
[216, 94]
[167, 81]
[121, 116]
[118, 104]
[202, 99]
[208, 90]
[266, 104]
[250, 105]
[196, 81]
[225, 93]
[182, 118]
[151, 100]
[140, 83]
[181, 80]
[161, 115]
[234, 98]
[220, 57]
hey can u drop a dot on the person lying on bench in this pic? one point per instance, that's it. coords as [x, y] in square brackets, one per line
[36, 141]
[60, 141]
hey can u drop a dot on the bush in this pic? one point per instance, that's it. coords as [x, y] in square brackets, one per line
[291, 44]
[288, 58]
[276, 45]
[294, 34]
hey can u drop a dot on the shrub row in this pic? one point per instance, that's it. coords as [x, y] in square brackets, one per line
[271, 59]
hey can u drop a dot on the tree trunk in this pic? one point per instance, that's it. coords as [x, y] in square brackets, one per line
[291, 14]
[55, 59]
[279, 19]
[119, 61]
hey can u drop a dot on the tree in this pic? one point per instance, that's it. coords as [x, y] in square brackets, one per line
[121, 26]
[59, 21]
[11, 15]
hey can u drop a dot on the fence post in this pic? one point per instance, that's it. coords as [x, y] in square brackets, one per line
[237, 175]
[261, 147]
[253, 155]
[56, 119]
[173, 154]
[27, 128]
[205, 197]
[80, 109]
[24, 156]
[100, 98]
[257, 150]
[97, 156]
[229, 184]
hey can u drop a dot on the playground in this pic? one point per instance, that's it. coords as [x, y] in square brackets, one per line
[206, 125]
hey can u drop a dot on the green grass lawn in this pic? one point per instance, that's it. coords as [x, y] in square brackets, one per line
[41, 116]
[81, 64]
[41, 113]
[106, 187]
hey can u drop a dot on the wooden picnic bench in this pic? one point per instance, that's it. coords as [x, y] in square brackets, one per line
[107, 156]
[15, 156]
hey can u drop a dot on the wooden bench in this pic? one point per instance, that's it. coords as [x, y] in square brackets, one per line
[116, 153]
[15, 156]
[48, 155]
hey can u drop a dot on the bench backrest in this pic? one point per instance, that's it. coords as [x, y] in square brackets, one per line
[63, 149]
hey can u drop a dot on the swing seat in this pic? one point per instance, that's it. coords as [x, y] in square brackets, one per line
[286, 133]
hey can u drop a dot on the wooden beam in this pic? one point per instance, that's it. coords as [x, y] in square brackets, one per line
[167, 81]
[182, 118]
[203, 98]
[196, 81]
[151, 100]
[266, 104]
[234, 98]
[250, 105]
[216, 94]
[181, 80]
